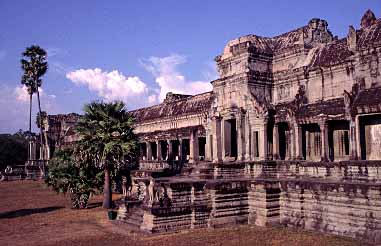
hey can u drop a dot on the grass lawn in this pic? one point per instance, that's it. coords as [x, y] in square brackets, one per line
[31, 214]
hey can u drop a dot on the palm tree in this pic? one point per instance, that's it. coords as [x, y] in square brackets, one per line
[106, 140]
[34, 66]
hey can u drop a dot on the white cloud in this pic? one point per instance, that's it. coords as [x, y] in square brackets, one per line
[116, 86]
[111, 85]
[21, 93]
[170, 79]
[15, 102]
[152, 99]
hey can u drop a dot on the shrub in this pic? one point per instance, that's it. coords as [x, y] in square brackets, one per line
[66, 175]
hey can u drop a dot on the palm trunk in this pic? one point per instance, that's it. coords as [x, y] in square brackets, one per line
[30, 128]
[40, 119]
[107, 195]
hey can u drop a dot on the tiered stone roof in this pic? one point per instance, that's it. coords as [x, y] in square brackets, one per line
[180, 106]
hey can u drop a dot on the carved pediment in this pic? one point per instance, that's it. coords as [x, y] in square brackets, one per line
[350, 97]
[260, 105]
[300, 97]
[368, 19]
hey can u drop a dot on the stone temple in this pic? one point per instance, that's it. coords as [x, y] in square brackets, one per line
[290, 135]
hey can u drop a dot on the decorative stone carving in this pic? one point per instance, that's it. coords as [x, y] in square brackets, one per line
[368, 19]
[352, 39]
[300, 97]
[318, 32]
[373, 65]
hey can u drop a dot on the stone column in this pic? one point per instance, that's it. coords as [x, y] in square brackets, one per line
[352, 140]
[324, 140]
[47, 152]
[248, 140]
[208, 146]
[275, 142]
[32, 150]
[193, 147]
[41, 152]
[292, 151]
[298, 141]
[224, 137]
[240, 132]
[158, 149]
[142, 157]
[358, 139]
[180, 149]
[169, 155]
[263, 142]
[149, 151]
[217, 149]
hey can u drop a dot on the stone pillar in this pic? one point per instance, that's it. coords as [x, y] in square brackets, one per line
[298, 135]
[193, 147]
[352, 140]
[292, 141]
[217, 143]
[263, 142]
[225, 134]
[47, 152]
[32, 150]
[358, 142]
[158, 149]
[149, 151]
[240, 134]
[180, 149]
[324, 140]
[41, 152]
[275, 142]
[208, 146]
[142, 157]
[169, 155]
[248, 140]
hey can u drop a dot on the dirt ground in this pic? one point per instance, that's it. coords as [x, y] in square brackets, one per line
[31, 214]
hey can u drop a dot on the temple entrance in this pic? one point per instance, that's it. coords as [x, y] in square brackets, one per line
[185, 149]
[201, 148]
[175, 150]
[255, 145]
[143, 151]
[284, 141]
[230, 138]
[311, 142]
[338, 140]
[164, 150]
[370, 137]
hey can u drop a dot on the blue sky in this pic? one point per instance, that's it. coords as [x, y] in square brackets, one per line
[136, 51]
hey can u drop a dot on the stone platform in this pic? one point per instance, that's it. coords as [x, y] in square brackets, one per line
[340, 198]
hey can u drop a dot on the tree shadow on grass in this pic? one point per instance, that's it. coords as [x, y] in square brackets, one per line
[27, 211]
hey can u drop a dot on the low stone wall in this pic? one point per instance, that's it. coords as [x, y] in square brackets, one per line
[340, 198]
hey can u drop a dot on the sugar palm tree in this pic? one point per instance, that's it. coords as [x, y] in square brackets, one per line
[34, 65]
[106, 140]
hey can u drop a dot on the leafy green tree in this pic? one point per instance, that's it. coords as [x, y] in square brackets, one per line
[66, 175]
[34, 65]
[106, 140]
[13, 149]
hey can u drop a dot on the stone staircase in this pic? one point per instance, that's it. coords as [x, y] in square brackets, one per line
[131, 213]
